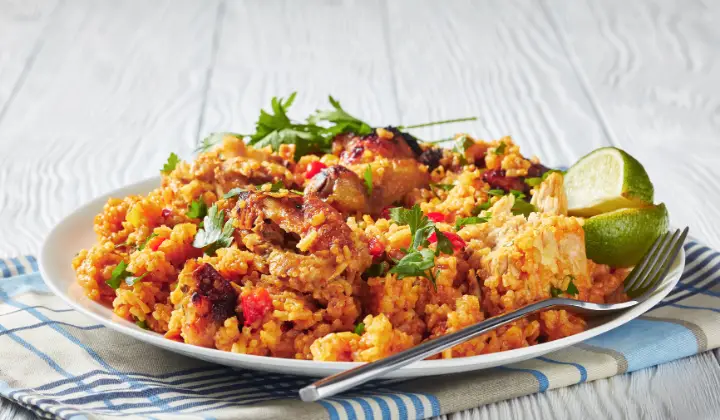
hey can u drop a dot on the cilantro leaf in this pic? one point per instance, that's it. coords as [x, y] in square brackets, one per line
[145, 242]
[480, 207]
[534, 181]
[571, 288]
[197, 209]
[233, 192]
[344, 122]
[415, 264]
[460, 145]
[500, 149]
[368, 175]
[522, 207]
[496, 192]
[443, 244]
[171, 163]
[444, 187]
[359, 328]
[131, 280]
[463, 221]
[119, 274]
[214, 234]
[377, 269]
[214, 139]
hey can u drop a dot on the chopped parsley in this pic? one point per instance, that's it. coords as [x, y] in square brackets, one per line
[377, 269]
[480, 207]
[368, 175]
[444, 187]
[214, 234]
[463, 221]
[359, 328]
[522, 207]
[460, 146]
[343, 121]
[142, 324]
[274, 187]
[145, 242]
[496, 192]
[209, 142]
[233, 192]
[197, 209]
[131, 280]
[571, 288]
[119, 274]
[171, 163]
[419, 262]
[501, 148]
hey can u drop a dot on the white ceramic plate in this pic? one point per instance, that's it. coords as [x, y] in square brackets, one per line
[76, 232]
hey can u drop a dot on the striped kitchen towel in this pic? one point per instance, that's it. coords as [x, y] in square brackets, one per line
[59, 363]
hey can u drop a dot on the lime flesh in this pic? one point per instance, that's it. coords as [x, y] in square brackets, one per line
[604, 180]
[620, 238]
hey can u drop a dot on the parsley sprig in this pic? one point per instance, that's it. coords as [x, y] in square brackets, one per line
[171, 163]
[474, 220]
[216, 233]
[419, 262]
[197, 209]
[571, 288]
[119, 274]
[368, 175]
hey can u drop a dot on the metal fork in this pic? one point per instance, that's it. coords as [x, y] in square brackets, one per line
[639, 286]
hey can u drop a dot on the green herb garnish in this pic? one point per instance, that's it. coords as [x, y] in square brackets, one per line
[533, 182]
[119, 274]
[145, 242]
[501, 148]
[522, 207]
[460, 146]
[197, 209]
[480, 207]
[233, 192]
[359, 328]
[131, 280]
[214, 234]
[496, 192]
[274, 187]
[142, 324]
[368, 175]
[171, 163]
[343, 121]
[571, 288]
[444, 187]
[214, 139]
[377, 269]
[517, 194]
[555, 292]
[463, 221]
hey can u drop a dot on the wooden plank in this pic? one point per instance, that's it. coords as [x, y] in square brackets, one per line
[21, 28]
[652, 68]
[315, 48]
[115, 88]
[499, 60]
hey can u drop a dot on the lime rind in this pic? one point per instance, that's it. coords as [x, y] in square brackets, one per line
[604, 180]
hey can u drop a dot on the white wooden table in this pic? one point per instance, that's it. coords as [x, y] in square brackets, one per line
[94, 94]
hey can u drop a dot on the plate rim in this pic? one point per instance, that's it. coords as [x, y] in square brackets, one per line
[306, 367]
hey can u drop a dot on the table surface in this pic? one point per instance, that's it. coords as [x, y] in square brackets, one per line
[95, 94]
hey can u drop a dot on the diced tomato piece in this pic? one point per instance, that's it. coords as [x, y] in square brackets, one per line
[155, 242]
[166, 212]
[456, 241]
[314, 168]
[376, 247]
[385, 213]
[436, 216]
[255, 305]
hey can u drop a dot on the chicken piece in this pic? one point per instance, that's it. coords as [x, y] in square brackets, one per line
[550, 196]
[341, 188]
[319, 253]
[207, 299]
[393, 157]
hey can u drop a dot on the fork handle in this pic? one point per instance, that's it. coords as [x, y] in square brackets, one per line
[345, 380]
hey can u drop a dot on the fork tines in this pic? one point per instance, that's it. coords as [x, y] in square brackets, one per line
[656, 263]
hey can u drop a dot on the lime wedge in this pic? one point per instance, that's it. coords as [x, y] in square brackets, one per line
[620, 238]
[604, 180]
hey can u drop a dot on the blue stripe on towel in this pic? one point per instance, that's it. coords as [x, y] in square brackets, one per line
[647, 343]
[578, 366]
